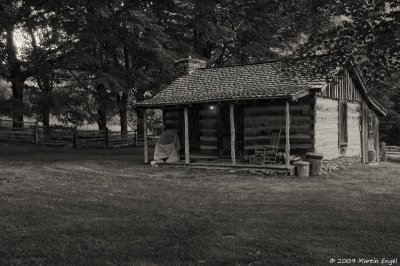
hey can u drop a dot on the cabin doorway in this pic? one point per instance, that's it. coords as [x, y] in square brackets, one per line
[369, 135]
[224, 129]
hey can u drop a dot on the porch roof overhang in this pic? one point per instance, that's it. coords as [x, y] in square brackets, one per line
[150, 105]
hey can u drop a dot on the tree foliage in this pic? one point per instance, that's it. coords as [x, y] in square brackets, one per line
[366, 31]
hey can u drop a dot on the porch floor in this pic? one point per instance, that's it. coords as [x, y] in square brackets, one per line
[209, 163]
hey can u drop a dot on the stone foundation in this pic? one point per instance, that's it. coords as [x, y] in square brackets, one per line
[339, 163]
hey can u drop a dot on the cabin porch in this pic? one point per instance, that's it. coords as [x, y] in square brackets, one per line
[213, 136]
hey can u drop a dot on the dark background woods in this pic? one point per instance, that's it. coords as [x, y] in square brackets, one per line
[87, 61]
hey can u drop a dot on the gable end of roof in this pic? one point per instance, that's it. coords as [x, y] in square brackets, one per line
[376, 106]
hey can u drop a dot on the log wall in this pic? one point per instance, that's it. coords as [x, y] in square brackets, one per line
[208, 124]
[208, 130]
[327, 127]
[354, 129]
[171, 119]
[260, 119]
[342, 87]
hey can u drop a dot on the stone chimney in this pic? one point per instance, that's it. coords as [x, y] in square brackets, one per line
[189, 65]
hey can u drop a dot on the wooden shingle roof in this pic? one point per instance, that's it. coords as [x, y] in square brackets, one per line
[256, 81]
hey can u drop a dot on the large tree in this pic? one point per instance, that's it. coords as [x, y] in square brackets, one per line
[117, 53]
[236, 32]
[32, 57]
[13, 68]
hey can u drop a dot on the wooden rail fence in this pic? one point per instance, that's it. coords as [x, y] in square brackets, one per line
[151, 139]
[28, 132]
[389, 150]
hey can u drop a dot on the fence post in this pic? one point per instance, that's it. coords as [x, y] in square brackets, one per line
[106, 137]
[36, 133]
[146, 148]
[384, 156]
[75, 138]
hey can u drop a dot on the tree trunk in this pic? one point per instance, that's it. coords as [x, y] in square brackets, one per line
[123, 114]
[17, 86]
[123, 103]
[44, 82]
[102, 118]
[47, 105]
[46, 116]
[102, 110]
[139, 115]
[201, 43]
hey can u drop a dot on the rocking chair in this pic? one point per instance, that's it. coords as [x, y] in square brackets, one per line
[267, 153]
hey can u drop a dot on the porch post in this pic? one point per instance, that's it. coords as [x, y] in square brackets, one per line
[233, 133]
[287, 134]
[187, 153]
[146, 154]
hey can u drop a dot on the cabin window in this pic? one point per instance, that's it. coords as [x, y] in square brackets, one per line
[342, 123]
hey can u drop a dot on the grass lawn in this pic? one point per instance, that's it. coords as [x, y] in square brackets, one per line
[104, 207]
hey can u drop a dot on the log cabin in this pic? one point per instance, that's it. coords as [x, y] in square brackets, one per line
[224, 112]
